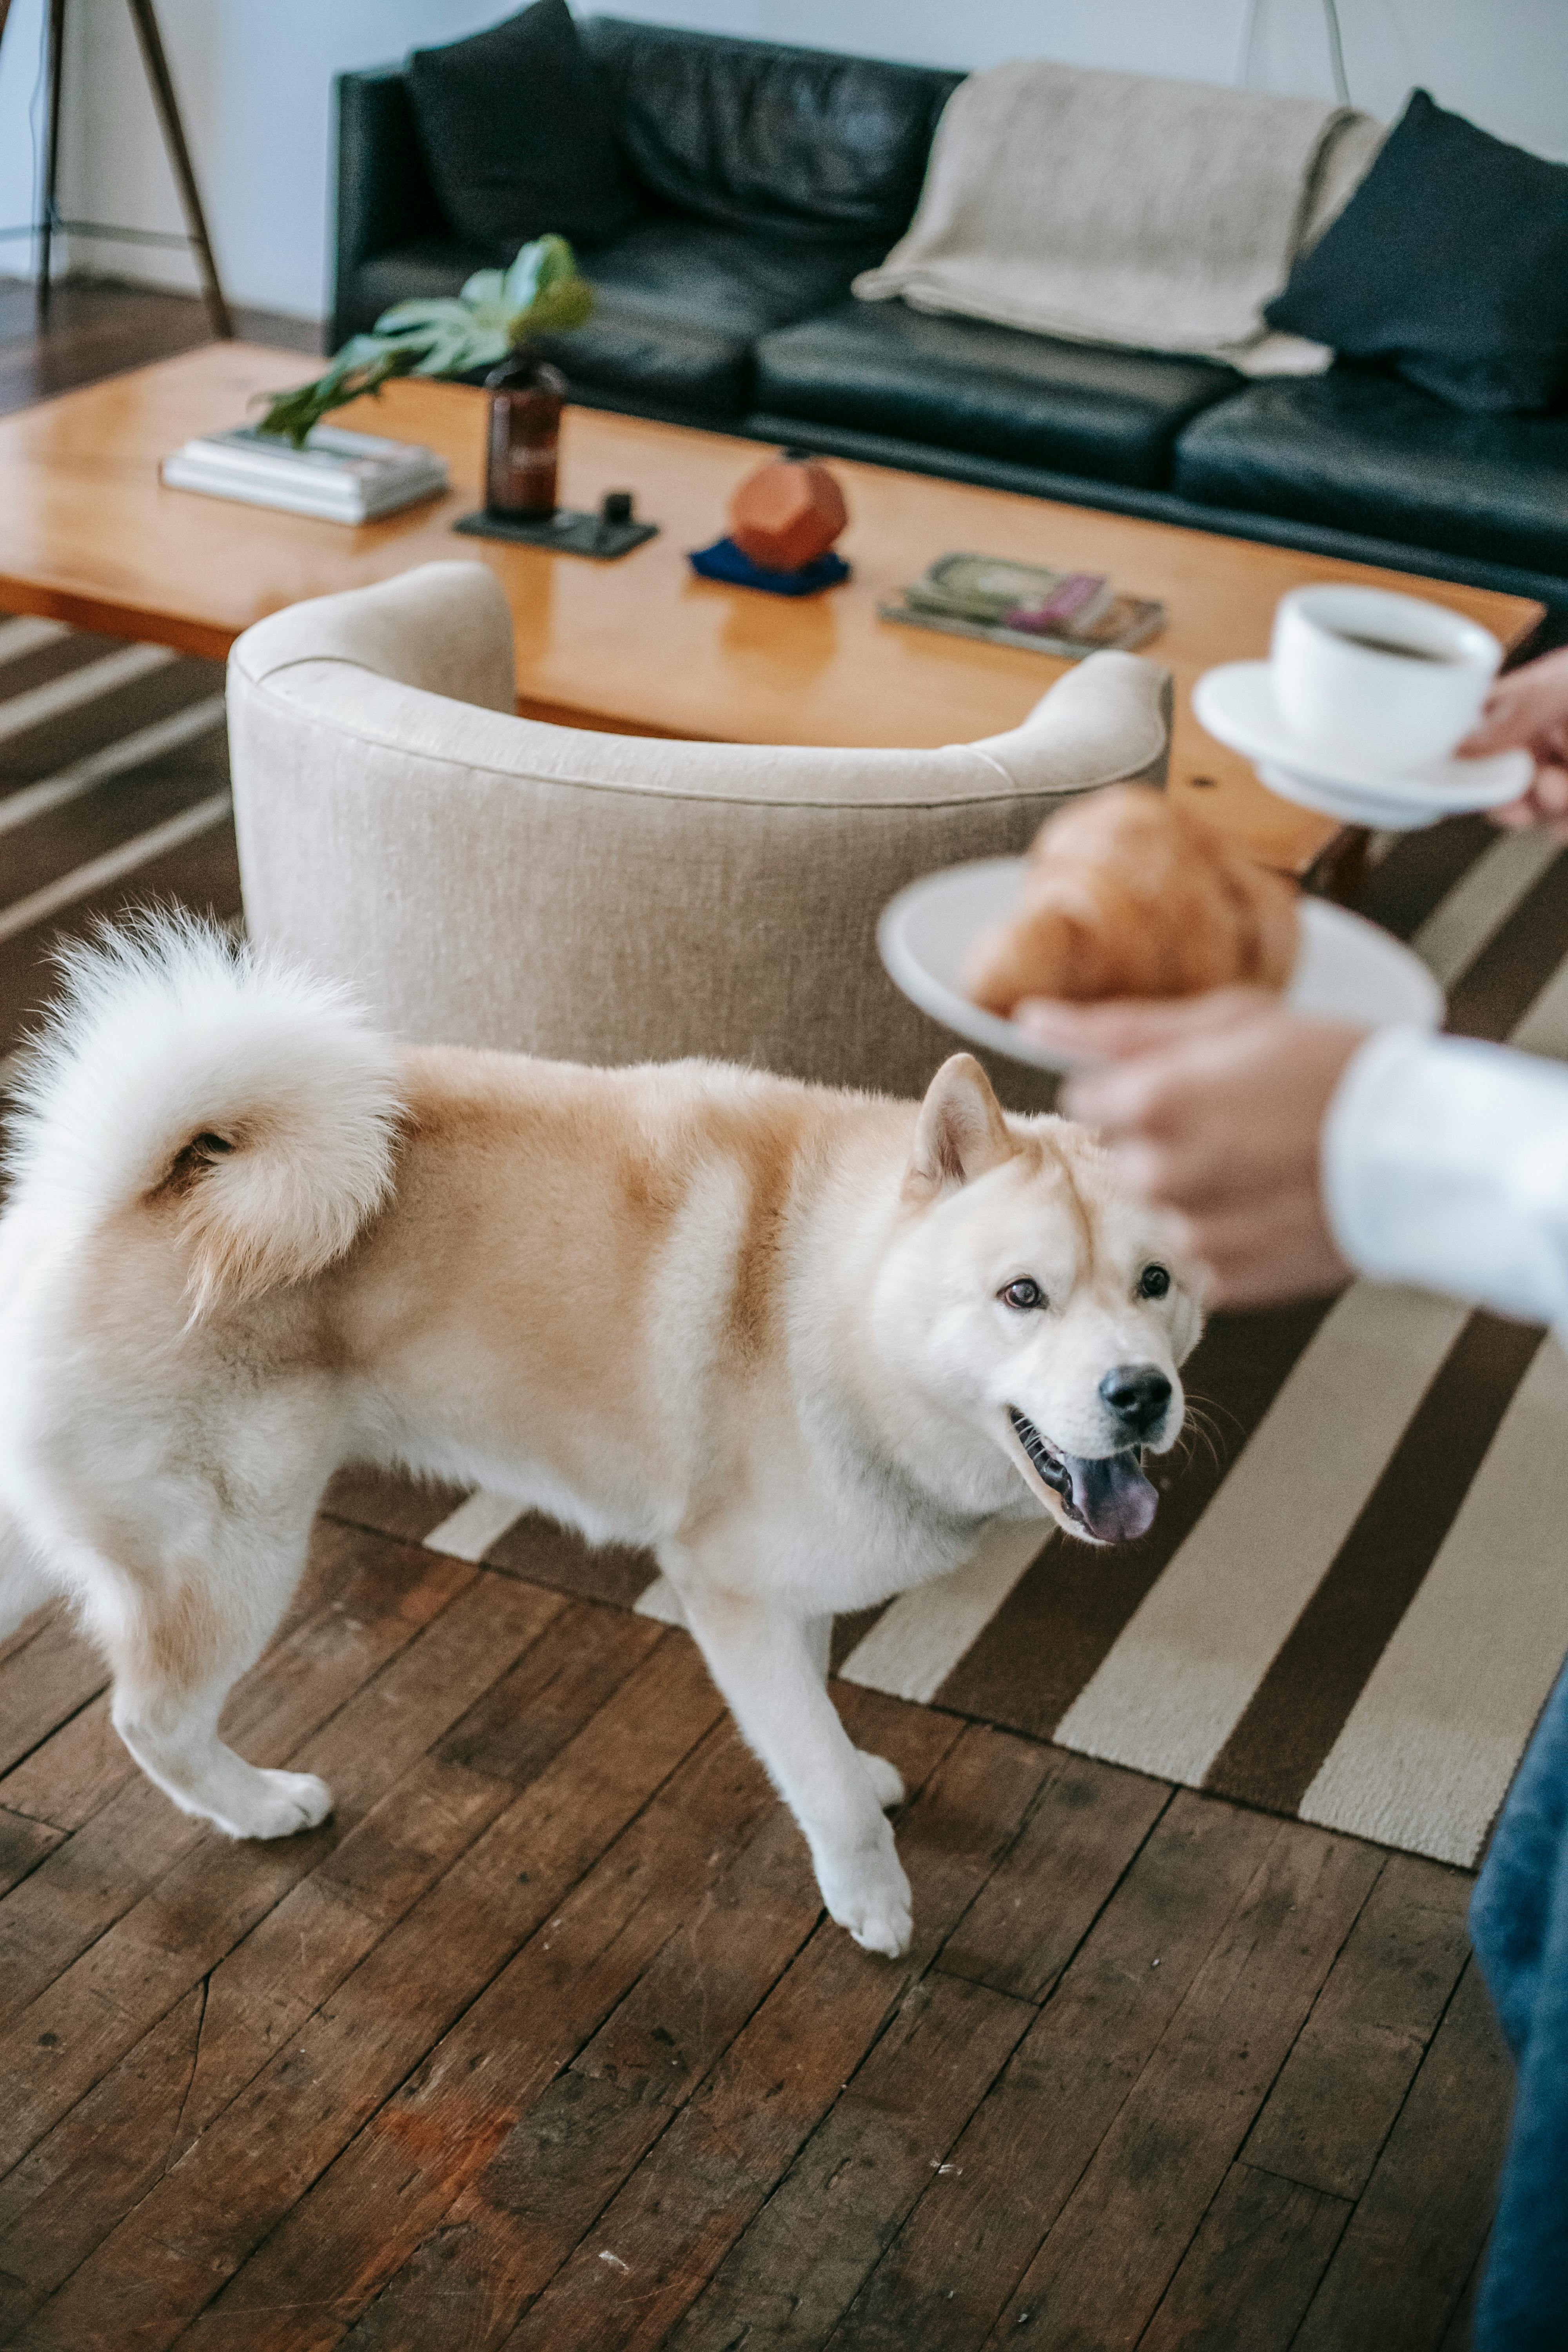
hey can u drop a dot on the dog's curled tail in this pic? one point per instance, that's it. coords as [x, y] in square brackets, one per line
[188, 1077]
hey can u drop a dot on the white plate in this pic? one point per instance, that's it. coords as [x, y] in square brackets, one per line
[1236, 703]
[1348, 970]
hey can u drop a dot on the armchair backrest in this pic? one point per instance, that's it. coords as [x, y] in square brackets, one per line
[492, 880]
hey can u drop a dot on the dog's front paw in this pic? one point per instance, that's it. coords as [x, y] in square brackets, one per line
[886, 1779]
[868, 1893]
[278, 1804]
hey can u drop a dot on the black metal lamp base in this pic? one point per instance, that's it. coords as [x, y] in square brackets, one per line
[567, 530]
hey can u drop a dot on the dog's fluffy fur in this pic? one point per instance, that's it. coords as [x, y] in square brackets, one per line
[786, 1337]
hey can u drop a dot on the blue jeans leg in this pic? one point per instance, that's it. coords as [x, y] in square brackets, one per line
[1519, 1922]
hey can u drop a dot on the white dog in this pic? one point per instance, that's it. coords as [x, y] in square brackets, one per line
[803, 1344]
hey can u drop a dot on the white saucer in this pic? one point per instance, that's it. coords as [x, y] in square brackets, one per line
[1236, 703]
[1348, 969]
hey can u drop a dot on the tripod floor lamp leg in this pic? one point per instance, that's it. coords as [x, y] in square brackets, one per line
[52, 151]
[168, 106]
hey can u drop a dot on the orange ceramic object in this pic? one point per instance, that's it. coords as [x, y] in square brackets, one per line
[787, 513]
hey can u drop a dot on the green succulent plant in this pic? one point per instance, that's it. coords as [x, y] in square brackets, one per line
[497, 311]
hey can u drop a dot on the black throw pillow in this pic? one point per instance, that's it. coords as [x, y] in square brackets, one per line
[518, 135]
[1449, 264]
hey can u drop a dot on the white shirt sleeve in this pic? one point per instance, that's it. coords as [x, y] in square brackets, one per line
[1446, 1164]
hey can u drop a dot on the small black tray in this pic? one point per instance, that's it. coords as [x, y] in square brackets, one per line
[567, 530]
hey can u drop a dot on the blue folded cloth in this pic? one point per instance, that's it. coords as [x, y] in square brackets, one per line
[724, 560]
[1519, 1923]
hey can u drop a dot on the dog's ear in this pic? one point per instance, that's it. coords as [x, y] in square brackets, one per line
[961, 1131]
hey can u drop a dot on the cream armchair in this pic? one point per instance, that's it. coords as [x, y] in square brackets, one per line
[494, 881]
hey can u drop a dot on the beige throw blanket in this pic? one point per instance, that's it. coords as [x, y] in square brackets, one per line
[1109, 208]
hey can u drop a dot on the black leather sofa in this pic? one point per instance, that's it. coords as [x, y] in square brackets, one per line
[770, 176]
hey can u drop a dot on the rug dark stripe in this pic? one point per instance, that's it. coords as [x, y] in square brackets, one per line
[51, 847]
[60, 741]
[22, 672]
[117, 810]
[1300, 1707]
[1490, 998]
[202, 875]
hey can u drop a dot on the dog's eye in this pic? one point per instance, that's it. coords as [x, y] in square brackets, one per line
[1023, 1295]
[1154, 1282]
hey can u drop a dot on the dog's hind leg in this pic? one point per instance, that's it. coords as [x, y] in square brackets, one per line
[886, 1779]
[177, 1643]
[769, 1665]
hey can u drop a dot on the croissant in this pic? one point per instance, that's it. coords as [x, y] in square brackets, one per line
[1125, 895]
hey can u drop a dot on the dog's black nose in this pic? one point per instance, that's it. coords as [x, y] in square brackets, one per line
[1137, 1394]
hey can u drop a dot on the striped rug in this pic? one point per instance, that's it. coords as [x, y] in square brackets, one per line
[1353, 1599]
[113, 793]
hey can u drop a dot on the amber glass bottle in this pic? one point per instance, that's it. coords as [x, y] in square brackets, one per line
[527, 396]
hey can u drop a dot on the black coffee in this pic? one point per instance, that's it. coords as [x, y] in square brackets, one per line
[1387, 645]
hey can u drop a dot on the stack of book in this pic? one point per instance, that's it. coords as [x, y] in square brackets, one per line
[1069, 613]
[340, 476]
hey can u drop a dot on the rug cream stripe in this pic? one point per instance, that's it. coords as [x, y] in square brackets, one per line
[1172, 1688]
[78, 686]
[1480, 1647]
[99, 872]
[114, 760]
[916, 1642]
[481, 1520]
[25, 636]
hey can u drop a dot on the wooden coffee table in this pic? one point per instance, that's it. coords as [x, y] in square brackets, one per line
[88, 535]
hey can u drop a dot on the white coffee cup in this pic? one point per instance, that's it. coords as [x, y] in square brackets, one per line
[1388, 682]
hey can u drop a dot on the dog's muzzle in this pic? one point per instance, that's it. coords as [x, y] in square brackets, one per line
[1108, 1497]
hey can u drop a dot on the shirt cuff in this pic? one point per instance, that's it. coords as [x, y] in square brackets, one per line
[1444, 1163]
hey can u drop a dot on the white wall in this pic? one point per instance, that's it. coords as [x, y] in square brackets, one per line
[255, 80]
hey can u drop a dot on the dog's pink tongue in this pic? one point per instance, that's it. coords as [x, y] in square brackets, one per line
[1113, 1497]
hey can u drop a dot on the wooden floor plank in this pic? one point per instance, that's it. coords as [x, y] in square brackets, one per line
[260, 1993]
[856, 2177]
[59, 2204]
[707, 2176]
[1414, 2240]
[509, 2231]
[261, 2156]
[1327, 2117]
[183, 1928]
[506, 2235]
[953, 2267]
[1032, 1913]
[399, 2179]
[103, 1871]
[121, 2139]
[44, 1685]
[386, 1500]
[24, 1844]
[1114, 2248]
[1252, 2270]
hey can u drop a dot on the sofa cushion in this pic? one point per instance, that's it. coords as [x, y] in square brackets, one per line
[956, 383]
[1450, 262]
[746, 134]
[516, 130]
[1364, 452]
[678, 307]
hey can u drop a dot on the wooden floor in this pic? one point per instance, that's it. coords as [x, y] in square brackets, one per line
[543, 2041]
